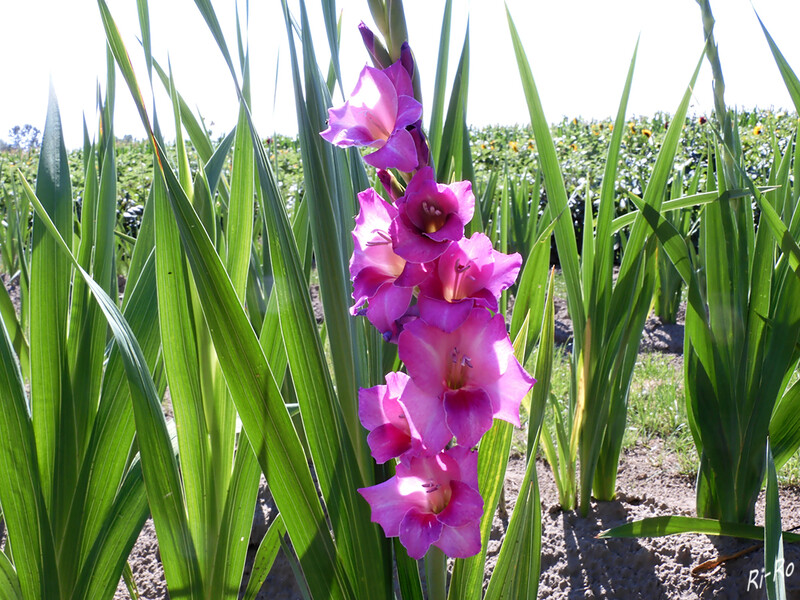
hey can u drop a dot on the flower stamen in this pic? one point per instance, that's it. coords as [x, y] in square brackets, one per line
[433, 216]
[383, 235]
[459, 369]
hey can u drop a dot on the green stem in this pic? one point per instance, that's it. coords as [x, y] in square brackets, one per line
[436, 573]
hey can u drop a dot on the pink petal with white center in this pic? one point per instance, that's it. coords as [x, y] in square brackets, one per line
[389, 506]
[472, 356]
[430, 213]
[411, 245]
[427, 202]
[368, 118]
[426, 354]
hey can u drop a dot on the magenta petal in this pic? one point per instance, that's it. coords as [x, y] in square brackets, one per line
[461, 542]
[400, 79]
[426, 353]
[486, 299]
[426, 413]
[373, 262]
[469, 414]
[368, 117]
[452, 230]
[366, 284]
[418, 531]
[507, 392]
[399, 152]
[447, 316]
[506, 269]
[388, 505]
[409, 111]
[370, 411]
[387, 305]
[413, 274]
[410, 245]
[466, 200]
[387, 442]
[467, 464]
[465, 505]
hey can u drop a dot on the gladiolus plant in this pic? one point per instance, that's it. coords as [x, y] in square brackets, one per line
[435, 293]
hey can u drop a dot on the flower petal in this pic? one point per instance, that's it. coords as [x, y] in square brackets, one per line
[418, 531]
[427, 417]
[387, 442]
[399, 152]
[389, 506]
[507, 392]
[461, 542]
[447, 316]
[387, 305]
[425, 352]
[465, 505]
[410, 245]
[469, 414]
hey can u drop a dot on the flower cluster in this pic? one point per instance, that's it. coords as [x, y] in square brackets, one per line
[433, 292]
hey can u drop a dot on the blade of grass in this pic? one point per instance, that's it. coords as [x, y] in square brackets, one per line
[674, 525]
[773, 541]
[9, 582]
[49, 302]
[554, 184]
[265, 557]
[437, 106]
[24, 511]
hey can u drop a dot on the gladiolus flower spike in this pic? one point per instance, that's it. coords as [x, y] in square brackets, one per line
[435, 293]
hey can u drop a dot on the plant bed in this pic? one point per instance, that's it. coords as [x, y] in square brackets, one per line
[575, 564]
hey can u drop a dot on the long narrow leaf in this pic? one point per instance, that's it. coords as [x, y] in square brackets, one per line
[265, 557]
[674, 525]
[27, 522]
[773, 540]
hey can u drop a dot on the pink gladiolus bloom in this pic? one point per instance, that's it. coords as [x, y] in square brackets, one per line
[401, 419]
[431, 500]
[431, 216]
[473, 370]
[470, 273]
[380, 276]
[380, 108]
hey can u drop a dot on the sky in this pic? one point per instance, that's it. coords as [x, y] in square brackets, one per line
[579, 52]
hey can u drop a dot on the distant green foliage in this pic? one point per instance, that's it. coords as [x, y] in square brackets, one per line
[581, 146]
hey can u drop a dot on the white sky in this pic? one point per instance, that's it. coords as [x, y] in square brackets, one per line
[579, 51]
